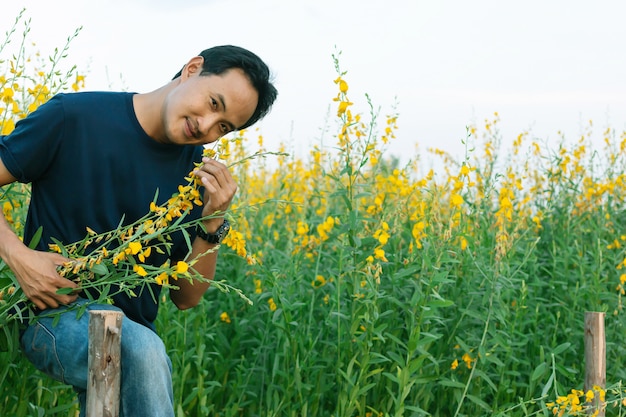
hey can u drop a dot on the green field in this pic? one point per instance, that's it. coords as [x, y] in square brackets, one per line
[379, 289]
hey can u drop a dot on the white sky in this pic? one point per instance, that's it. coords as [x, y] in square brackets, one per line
[543, 65]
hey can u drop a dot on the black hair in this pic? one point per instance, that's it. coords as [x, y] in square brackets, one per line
[220, 59]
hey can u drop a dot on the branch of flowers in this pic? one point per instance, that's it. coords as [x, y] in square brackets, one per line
[117, 262]
[255, 155]
[253, 206]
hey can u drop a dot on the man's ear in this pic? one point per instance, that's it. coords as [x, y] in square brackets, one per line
[193, 67]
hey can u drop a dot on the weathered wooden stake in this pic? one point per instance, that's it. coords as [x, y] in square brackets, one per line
[595, 358]
[103, 384]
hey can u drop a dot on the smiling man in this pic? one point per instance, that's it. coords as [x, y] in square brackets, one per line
[95, 158]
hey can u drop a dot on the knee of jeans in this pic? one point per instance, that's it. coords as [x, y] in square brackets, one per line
[144, 348]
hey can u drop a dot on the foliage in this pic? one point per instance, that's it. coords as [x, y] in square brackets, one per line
[380, 290]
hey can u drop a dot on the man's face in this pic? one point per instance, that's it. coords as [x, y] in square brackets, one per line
[202, 108]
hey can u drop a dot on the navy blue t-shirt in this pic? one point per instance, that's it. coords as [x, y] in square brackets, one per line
[90, 164]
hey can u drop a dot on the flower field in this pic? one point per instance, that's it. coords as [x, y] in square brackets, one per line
[357, 285]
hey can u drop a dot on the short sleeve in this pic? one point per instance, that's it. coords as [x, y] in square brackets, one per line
[28, 151]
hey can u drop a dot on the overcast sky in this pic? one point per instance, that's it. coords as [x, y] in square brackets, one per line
[544, 65]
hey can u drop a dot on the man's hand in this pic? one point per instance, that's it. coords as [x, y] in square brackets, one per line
[37, 275]
[36, 272]
[219, 187]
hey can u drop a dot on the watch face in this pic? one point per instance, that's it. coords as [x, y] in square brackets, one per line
[224, 229]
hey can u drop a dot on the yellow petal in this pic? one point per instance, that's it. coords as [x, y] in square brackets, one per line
[182, 267]
[134, 247]
[139, 270]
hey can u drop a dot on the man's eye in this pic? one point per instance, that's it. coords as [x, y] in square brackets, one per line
[224, 128]
[214, 103]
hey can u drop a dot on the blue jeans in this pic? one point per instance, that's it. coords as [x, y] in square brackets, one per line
[61, 351]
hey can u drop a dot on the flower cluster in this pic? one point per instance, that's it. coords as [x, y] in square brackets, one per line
[578, 402]
[120, 256]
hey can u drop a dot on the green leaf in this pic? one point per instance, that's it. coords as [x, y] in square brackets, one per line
[539, 371]
[548, 385]
[9, 337]
[60, 245]
[478, 402]
[100, 269]
[36, 238]
[451, 383]
[561, 348]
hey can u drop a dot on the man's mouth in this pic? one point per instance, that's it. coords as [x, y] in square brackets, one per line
[190, 130]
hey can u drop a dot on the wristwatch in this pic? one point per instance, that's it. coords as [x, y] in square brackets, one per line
[216, 237]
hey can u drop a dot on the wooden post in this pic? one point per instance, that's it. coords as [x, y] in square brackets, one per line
[103, 383]
[595, 359]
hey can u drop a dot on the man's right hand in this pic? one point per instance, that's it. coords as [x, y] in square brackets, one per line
[36, 271]
[37, 275]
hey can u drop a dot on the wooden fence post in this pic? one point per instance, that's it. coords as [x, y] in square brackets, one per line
[103, 383]
[595, 358]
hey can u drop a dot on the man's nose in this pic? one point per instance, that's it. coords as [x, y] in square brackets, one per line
[207, 128]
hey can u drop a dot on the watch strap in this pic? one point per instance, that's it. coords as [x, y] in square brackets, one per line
[216, 237]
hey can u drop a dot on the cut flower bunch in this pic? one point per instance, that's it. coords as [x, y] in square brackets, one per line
[114, 262]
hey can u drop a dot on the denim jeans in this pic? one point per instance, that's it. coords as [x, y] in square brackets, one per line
[61, 351]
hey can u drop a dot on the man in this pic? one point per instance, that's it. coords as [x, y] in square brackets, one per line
[94, 158]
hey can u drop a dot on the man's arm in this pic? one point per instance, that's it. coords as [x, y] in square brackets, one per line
[189, 294]
[219, 190]
[35, 271]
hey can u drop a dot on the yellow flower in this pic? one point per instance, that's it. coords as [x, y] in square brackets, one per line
[456, 200]
[455, 364]
[302, 228]
[343, 86]
[382, 234]
[272, 304]
[468, 360]
[225, 317]
[418, 230]
[144, 254]
[162, 279]
[119, 257]
[139, 270]
[54, 247]
[7, 94]
[182, 267]
[154, 208]
[380, 254]
[235, 240]
[133, 248]
[343, 106]
[7, 126]
[79, 83]
[324, 228]
[319, 281]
